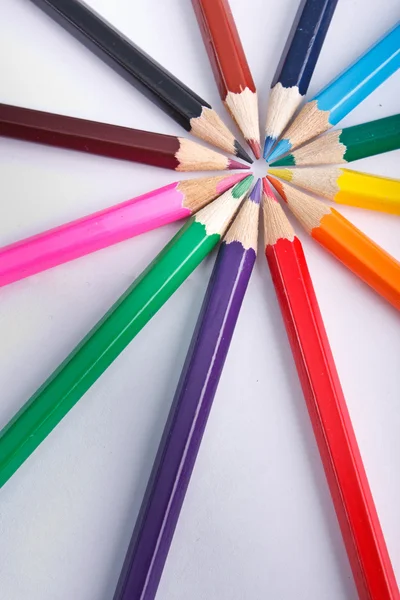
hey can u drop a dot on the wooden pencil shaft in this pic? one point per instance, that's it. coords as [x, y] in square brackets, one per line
[368, 139]
[347, 480]
[304, 44]
[223, 45]
[89, 136]
[129, 61]
[361, 255]
[168, 483]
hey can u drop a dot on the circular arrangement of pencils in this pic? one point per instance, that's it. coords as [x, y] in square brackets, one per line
[306, 159]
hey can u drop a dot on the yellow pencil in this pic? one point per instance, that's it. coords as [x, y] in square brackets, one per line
[345, 186]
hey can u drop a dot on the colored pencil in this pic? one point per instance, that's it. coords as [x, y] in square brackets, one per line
[144, 73]
[296, 66]
[168, 151]
[134, 309]
[337, 444]
[191, 406]
[346, 187]
[348, 144]
[109, 226]
[343, 94]
[231, 71]
[348, 244]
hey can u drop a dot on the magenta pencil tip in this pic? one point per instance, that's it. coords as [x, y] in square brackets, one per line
[255, 195]
[256, 148]
[234, 164]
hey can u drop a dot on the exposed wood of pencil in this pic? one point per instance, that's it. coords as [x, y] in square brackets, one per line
[172, 469]
[351, 246]
[144, 73]
[296, 66]
[230, 67]
[119, 326]
[113, 141]
[340, 455]
[109, 226]
[348, 144]
[345, 186]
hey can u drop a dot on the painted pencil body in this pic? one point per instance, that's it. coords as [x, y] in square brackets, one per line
[345, 186]
[144, 73]
[296, 66]
[188, 416]
[344, 93]
[168, 151]
[109, 226]
[337, 444]
[348, 144]
[348, 244]
[230, 68]
[62, 390]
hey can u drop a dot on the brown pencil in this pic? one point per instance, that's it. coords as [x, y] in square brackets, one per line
[168, 151]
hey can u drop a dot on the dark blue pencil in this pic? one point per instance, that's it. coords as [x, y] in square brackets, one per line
[297, 65]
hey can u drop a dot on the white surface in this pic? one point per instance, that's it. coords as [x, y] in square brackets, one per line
[258, 520]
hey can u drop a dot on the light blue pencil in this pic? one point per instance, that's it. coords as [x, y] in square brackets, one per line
[344, 93]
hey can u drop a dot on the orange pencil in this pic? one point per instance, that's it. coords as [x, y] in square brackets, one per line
[347, 243]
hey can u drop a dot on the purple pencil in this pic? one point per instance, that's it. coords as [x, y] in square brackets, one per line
[169, 480]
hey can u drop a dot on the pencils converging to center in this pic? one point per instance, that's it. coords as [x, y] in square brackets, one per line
[304, 154]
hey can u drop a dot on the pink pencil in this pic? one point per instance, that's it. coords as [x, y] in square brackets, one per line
[110, 226]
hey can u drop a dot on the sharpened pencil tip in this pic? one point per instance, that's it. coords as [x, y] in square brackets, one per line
[268, 144]
[235, 164]
[267, 189]
[241, 153]
[278, 186]
[285, 174]
[282, 147]
[256, 148]
[286, 161]
[255, 195]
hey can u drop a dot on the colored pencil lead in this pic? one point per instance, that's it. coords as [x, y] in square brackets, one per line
[144, 73]
[296, 66]
[134, 309]
[348, 244]
[230, 68]
[343, 93]
[345, 186]
[180, 443]
[348, 144]
[333, 430]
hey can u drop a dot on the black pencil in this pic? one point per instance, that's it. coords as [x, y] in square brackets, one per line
[145, 74]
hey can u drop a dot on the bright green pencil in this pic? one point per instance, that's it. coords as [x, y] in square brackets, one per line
[45, 409]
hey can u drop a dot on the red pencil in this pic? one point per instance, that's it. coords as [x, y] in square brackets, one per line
[230, 68]
[347, 480]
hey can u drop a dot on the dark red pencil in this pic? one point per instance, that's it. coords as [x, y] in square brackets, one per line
[113, 141]
[333, 430]
[230, 68]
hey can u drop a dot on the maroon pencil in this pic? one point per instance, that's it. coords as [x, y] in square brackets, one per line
[168, 151]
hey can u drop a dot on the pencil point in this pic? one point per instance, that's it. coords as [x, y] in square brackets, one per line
[234, 164]
[285, 174]
[269, 142]
[255, 195]
[242, 187]
[229, 181]
[267, 189]
[278, 186]
[256, 148]
[241, 153]
[282, 147]
[286, 161]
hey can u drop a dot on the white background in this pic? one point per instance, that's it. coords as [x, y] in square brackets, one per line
[258, 520]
